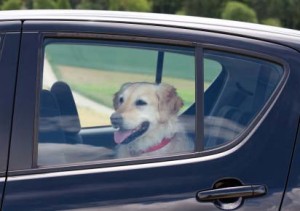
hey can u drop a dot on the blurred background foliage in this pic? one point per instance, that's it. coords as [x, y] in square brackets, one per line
[283, 13]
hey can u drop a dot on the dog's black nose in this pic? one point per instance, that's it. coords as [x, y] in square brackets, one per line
[116, 119]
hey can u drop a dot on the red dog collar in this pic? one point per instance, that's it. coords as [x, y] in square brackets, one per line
[163, 143]
[160, 145]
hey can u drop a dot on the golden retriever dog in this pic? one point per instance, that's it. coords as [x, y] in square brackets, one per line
[146, 118]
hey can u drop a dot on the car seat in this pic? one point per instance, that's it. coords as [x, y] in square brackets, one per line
[49, 120]
[70, 122]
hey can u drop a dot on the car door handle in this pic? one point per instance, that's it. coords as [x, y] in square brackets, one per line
[246, 191]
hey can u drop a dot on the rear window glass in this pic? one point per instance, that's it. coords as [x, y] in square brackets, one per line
[239, 87]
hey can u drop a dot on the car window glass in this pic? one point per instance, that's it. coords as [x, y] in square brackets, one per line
[179, 69]
[99, 97]
[236, 95]
[90, 70]
[212, 69]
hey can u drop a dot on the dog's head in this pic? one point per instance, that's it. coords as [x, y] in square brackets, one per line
[141, 106]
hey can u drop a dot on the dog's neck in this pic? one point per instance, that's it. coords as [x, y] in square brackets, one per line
[164, 142]
[155, 139]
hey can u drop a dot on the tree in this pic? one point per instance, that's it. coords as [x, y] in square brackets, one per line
[238, 11]
[11, 5]
[94, 4]
[204, 8]
[63, 4]
[271, 22]
[42, 4]
[166, 6]
[85, 4]
[288, 12]
[261, 7]
[28, 4]
[130, 5]
[74, 3]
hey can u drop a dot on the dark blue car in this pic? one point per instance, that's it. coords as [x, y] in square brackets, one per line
[239, 84]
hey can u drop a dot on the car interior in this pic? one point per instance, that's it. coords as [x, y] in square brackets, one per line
[230, 103]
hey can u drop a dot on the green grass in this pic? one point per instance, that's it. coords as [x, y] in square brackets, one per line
[178, 63]
[98, 71]
[101, 85]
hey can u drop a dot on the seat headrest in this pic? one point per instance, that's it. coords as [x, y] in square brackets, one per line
[49, 119]
[68, 110]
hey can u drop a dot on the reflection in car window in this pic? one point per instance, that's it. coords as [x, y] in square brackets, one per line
[236, 95]
[107, 99]
[212, 69]
[104, 100]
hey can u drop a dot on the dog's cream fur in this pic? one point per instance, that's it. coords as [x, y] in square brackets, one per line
[160, 109]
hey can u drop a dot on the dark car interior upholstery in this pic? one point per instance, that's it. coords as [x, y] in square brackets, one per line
[50, 130]
[234, 99]
[59, 120]
[69, 115]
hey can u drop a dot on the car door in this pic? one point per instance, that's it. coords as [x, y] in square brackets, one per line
[237, 96]
[291, 197]
[9, 44]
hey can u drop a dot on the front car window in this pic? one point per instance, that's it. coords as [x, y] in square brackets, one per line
[98, 95]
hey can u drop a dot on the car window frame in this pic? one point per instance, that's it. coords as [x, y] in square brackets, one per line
[28, 166]
[138, 43]
[262, 113]
[122, 38]
[199, 76]
[9, 56]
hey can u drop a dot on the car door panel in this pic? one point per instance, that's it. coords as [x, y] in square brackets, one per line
[165, 184]
[27, 79]
[9, 39]
[8, 63]
[169, 183]
[291, 197]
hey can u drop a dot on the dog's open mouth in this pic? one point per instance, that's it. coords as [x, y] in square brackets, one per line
[126, 136]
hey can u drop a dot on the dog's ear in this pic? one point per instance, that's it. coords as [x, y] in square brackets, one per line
[116, 95]
[169, 103]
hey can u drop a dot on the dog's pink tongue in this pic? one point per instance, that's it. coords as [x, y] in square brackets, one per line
[120, 136]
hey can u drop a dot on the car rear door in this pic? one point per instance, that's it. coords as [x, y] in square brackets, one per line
[9, 44]
[248, 171]
[291, 196]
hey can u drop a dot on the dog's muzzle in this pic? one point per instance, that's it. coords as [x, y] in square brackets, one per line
[125, 136]
[142, 129]
[116, 120]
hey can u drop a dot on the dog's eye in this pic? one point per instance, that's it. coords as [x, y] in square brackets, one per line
[121, 100]
[140, 103]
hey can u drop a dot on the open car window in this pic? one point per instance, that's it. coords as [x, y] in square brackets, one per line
[105, 100]
[96, 70]
[88, 86]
